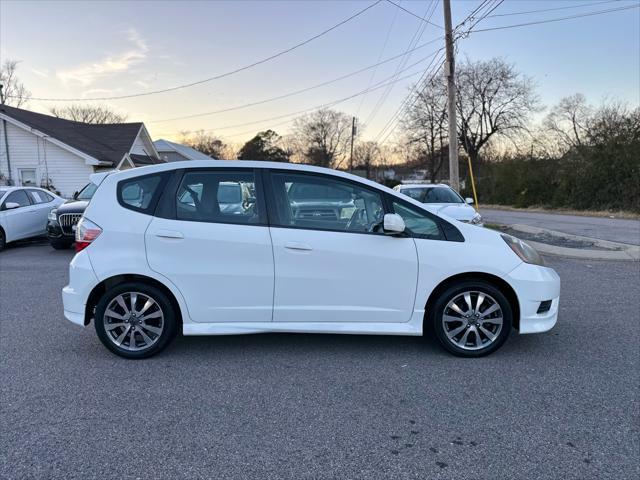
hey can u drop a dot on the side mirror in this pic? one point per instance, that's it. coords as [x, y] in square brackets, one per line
[469, 201]
[393, 224]
[11, 205]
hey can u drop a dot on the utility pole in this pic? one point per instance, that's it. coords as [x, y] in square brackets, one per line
[449, 71]
[6, 139]
[353, 134]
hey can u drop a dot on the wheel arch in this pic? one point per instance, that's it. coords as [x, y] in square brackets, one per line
[108, 283]
[496, 281]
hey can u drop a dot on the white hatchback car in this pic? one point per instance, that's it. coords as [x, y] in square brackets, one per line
[442, 199]
[310, 250]
[24, 211]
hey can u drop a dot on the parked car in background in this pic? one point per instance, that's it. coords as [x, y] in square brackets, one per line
[151, 260]
[23, 212]
[442, 199]
[63, 219]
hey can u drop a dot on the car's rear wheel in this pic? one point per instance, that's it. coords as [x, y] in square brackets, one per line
[3, 240]
[61, 244]
[135, 320]
[472, 319]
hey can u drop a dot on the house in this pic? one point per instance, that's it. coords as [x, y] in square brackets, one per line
[175, 152]
[50, 152]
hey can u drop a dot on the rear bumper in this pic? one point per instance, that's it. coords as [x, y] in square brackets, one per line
[534, 284]
[82, 279]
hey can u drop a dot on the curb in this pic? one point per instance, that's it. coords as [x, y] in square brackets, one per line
[612, 250]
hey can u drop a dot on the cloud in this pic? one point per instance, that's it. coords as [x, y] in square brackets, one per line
[41, 73]
[88, 73]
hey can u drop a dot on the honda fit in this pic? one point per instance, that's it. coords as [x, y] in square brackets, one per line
[303, 249]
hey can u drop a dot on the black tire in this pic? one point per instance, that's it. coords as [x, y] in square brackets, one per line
[60, 244]
[169, 326]
[436, 322]
[3, 240]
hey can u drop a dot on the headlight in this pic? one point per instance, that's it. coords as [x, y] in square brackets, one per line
[53, 215]
[477, 218]
[526, 252]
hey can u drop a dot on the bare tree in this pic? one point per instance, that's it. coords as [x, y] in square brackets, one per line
[324, 136]
[425, 125]
[568, 121]
[493, 99]
[209, 144]
[97, 114]
[367, 155]
[14, 93]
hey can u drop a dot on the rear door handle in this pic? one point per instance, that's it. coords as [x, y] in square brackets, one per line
[297, 246]
[169, 234]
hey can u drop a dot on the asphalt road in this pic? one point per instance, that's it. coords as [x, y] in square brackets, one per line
[612, 229]
[557, 405]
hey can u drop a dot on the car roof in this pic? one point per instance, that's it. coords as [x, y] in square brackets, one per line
[424, 185]
[97, 178]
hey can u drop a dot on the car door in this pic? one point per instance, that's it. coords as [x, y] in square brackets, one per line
[42, 202]
[220, 258]
[22, 221]
[333, 263]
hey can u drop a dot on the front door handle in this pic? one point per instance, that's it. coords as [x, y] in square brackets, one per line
[169, 234]
[298, 246]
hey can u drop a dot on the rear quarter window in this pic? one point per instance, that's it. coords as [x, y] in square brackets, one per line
[141, 194]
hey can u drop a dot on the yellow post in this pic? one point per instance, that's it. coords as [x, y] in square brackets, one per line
[473, 184]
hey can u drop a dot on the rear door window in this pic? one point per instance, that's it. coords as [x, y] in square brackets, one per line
[218, 197]
[141, 193]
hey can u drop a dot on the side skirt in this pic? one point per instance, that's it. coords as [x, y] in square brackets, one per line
[358, 328]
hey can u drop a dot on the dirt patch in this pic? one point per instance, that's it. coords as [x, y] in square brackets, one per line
[549, 239]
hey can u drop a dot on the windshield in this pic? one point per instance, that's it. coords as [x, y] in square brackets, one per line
[3, 191]
[229, 193]
[433, 195]
[87, 192]
[313, 191]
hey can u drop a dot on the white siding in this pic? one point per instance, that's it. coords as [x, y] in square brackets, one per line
[67, 172]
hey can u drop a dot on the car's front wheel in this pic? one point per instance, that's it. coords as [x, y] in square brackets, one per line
[472, 319]
[135, 320]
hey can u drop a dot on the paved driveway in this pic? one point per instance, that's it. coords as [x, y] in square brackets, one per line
[557, 405]
[613, 229]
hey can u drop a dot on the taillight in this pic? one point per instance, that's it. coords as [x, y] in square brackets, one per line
[86, 232]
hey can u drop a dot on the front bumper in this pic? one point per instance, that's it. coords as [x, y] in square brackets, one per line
[54, 231]
[82, 280]
[534, 284]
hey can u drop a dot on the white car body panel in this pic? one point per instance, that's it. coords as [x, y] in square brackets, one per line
[28, 221]
[324, 276]
[233, 279]
[224, 271]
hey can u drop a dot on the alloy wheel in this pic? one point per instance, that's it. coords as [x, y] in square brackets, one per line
[472, 320]
[133, 321]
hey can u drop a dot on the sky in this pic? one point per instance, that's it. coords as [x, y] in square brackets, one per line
[110, 48]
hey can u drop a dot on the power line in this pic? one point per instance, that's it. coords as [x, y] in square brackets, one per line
[414, 14]
[375, 70]
[601, 12]
[416, 37]
[296, 92]
[383, 83]
[219, 76]
[590, 4]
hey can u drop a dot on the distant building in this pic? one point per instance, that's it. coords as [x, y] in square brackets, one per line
[176, 152]
[51, 152]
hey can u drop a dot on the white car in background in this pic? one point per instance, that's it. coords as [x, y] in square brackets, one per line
[442, 199]
[24, 211]
[316, 250]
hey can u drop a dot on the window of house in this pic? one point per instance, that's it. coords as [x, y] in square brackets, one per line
[28, 177]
